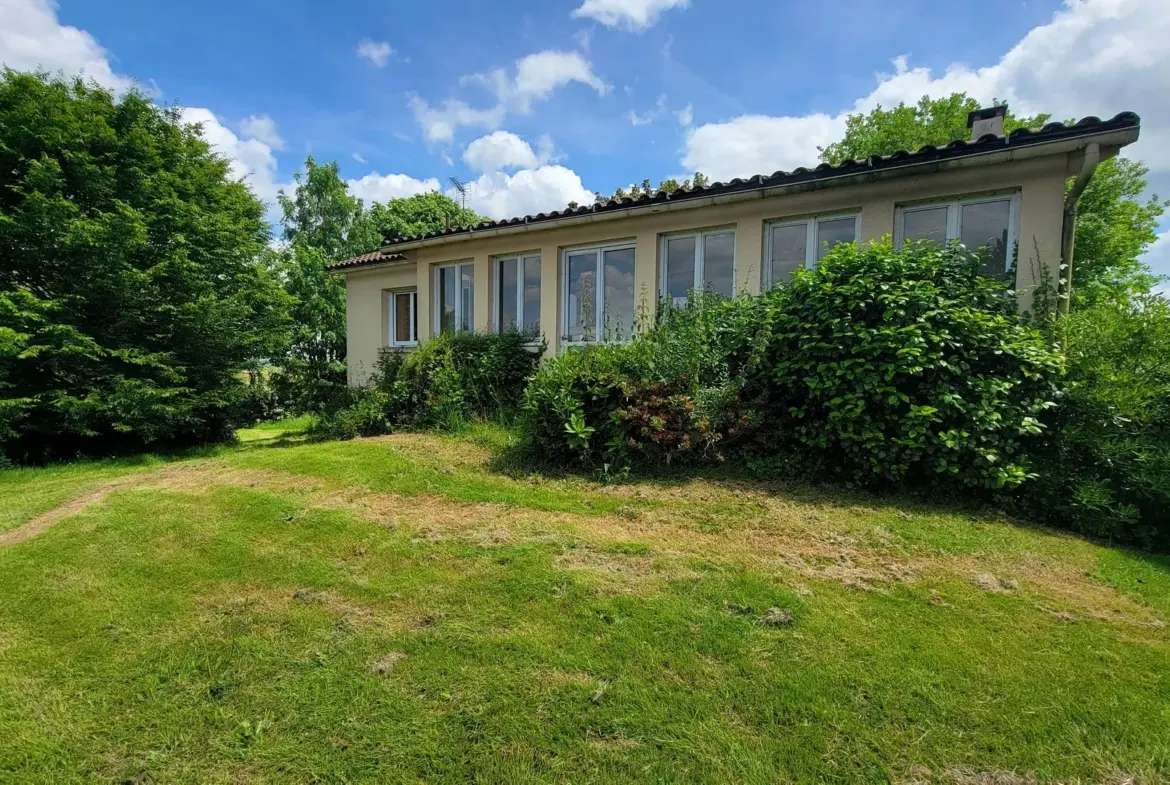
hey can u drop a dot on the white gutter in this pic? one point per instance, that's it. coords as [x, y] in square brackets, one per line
[1117, 138]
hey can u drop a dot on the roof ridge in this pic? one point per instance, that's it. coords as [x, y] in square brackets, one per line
[988, 142]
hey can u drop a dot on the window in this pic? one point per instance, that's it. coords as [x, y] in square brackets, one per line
[701, 260]
[518, 293]
[792, 244]
[455, 298]
[598, 293]
[402, 318]
[984, 223]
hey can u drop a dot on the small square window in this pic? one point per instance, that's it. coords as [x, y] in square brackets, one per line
[790, 245]
[986, 225]
[702, 260]
[598, 293]
[402, 318]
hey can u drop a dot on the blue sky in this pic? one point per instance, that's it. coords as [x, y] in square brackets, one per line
[537, 103]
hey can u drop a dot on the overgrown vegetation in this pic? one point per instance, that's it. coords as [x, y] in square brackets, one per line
[447, 382]
[877, 366]
[1105, 469]
[132, 298]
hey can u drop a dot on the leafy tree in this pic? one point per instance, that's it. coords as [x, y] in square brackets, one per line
[936, 121]
[1114, 227]
[132, 295]
[411, 215]
[322, 223]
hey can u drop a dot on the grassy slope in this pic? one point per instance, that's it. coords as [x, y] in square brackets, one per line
[218, 623]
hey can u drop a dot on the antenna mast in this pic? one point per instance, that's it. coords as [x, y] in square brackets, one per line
[461, 187]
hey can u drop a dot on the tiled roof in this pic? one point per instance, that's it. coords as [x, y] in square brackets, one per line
[1021, 137]
[379, 256]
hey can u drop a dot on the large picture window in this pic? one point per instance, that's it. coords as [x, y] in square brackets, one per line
[698, 260]
[598, 293]
[789, 245]
[986, 224]
[402, 318]
[454, 298]
[517, 294]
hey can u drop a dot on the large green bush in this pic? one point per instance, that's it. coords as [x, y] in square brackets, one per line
[445, 383]
[877, 366]
[892, 365]
[1105, 469]
[131, 295]
[671, 394]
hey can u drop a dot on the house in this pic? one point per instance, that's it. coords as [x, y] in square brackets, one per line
[581, 273]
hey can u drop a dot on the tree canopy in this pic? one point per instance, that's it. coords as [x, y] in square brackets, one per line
[131, 291]
[321, 223]
[1114, 226]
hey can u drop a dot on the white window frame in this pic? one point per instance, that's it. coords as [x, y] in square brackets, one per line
[520, 259]
[700, 249]
[391, 321]
[599, 287]
[812, 239]
[955, 207]
[435, 284]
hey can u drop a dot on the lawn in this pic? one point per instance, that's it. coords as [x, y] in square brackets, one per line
[399, 610]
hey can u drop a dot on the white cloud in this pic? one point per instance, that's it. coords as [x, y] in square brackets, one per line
[527, 192]
[32, 38]
[650, 115]
[251, 158]
[633, 15]
[759, 144]
[376, 52]
[506, 150]
[537, 77]
[358, 157]
[686, 115]
[1094, 57]
[375, 187]
[1158, 256]
[262, 127]
[439, 123]
[584, 39]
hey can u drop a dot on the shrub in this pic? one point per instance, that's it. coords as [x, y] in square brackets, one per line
[892, 365]
[877, 366]
[1105, 468]
[446, 382]
[673, 393]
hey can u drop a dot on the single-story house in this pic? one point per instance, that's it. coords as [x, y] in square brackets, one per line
[584, 273]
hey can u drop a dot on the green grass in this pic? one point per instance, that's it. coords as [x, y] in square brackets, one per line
[221, 627]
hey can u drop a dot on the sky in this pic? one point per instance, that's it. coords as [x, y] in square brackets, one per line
[535, 104]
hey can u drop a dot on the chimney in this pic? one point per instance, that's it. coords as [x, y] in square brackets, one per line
[447, 223]
[986, 121]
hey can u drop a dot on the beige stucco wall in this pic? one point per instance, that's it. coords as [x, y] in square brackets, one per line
[366, 315]
[1039, 181]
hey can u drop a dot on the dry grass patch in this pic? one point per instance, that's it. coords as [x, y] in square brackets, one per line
[751, 525]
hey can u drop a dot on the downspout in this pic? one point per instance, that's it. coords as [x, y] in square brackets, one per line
[1068, 232]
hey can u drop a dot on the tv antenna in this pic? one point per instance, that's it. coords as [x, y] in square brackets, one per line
[461, 187]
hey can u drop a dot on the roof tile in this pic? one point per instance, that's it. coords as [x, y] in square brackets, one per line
[986, 143]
